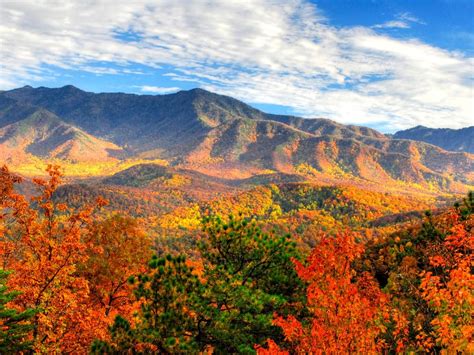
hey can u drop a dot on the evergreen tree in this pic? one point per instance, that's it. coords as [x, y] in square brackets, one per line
[165, 324]
[14, 325]
[249, 276]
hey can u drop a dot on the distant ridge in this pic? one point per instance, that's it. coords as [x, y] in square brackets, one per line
[461, 140]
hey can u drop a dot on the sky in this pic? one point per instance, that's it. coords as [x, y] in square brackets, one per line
[386, 64]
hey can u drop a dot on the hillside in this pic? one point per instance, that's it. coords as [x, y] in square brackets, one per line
[43, 134]
[219, 136]
[456, 140]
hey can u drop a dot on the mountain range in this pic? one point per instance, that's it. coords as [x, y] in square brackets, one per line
[220, 136]
[457, 140]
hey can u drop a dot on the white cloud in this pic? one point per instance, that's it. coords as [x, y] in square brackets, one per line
[261, 51]
[158, 90]
[403, 20]
[393, 24]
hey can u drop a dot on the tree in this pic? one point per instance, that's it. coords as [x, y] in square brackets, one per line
[449, 288]
[119, 250]
[165, 323]
[345, 314]
[426, 270]
[15, 326]
[248, 275]
[44, 241]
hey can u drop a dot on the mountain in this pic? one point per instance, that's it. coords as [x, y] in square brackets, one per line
[146, 122]
[220, 136]
[457, 140]
[43, 134]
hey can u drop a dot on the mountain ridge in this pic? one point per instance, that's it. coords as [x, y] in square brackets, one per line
[219, 135]
[45, 135]
[450, 139]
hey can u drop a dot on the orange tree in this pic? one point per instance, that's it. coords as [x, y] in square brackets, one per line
[448, 287]
[345, 313]
[119, 249]
[426, 269]
[42, 242]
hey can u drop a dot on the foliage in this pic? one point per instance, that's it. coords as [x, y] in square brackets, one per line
[248, 276]
[119, 250]
[14, 325]
[165, 323]
[427, 271]
[449, 290]
[390, 284]
[345, 314]
[43, 242]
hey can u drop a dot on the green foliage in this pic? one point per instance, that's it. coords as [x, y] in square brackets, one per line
[249, 276]
[123, 339]
[467, 206]
[165, 322]
[14, 325]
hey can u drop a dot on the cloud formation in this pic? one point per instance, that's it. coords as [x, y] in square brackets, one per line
[403, 20]
[158, 90]
[261, 51]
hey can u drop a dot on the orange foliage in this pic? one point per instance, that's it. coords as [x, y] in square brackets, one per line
[450, 294]
[43, 242]
[345, 314]
[121, 250]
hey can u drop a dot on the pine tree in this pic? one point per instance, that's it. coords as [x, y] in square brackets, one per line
[14, 326]
[248, 276]
[165, 321]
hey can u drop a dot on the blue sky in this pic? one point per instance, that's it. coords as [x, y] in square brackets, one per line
[384, 64]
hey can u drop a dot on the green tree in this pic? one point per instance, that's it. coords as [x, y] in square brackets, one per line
[248, 277]
[14, 326]
[166, 323]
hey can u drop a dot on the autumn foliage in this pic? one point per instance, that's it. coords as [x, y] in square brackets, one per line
[47, 246]
[355, 274]
[345, 309]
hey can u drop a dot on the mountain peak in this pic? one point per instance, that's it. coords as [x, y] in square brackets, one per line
[70, 88]
[199, 90]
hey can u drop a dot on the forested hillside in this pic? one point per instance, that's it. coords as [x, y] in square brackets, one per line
[194, 223]
[283, 268]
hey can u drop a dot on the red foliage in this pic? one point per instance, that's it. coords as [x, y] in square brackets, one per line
[345, 313]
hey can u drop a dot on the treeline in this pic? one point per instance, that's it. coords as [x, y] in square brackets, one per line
[81, 281]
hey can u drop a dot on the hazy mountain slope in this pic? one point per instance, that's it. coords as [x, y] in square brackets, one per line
[324, 127]
[43, 134]
[450, 139]
[12, 110]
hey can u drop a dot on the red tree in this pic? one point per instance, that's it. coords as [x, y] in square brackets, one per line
[346, 314]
